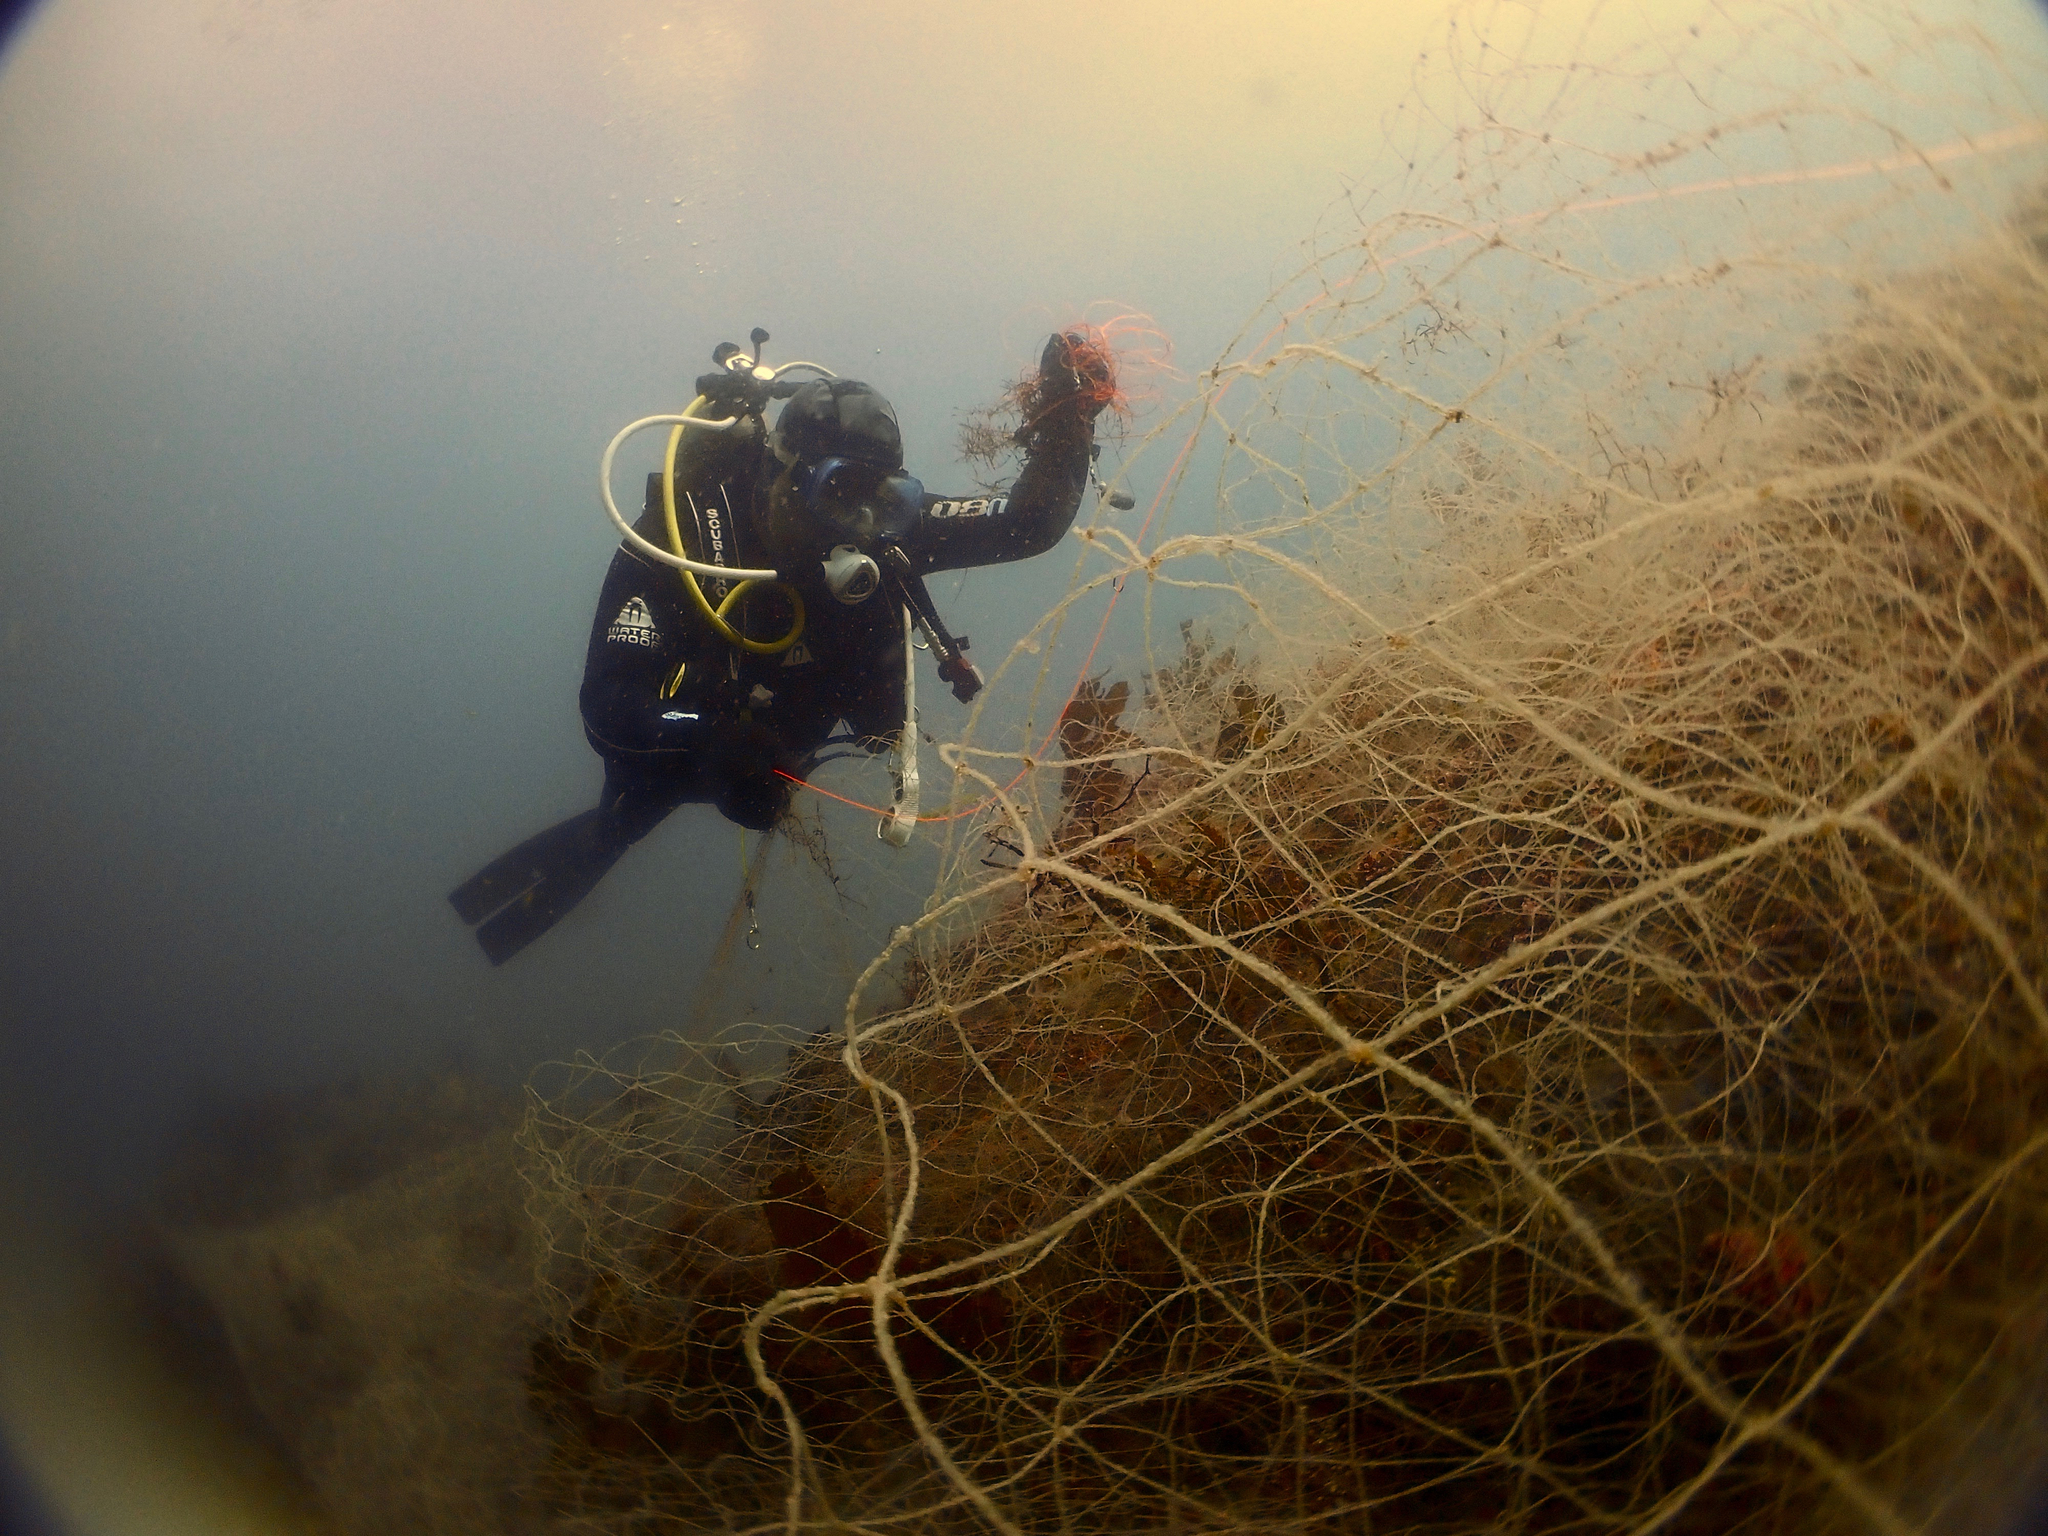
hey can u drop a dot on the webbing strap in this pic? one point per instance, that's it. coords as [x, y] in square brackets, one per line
[896, 827]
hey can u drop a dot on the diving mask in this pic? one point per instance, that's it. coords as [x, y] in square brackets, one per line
[849, 500]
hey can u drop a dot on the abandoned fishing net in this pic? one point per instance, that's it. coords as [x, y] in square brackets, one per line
[1527, 1015]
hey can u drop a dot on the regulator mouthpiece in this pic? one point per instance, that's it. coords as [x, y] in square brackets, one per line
[851, 575]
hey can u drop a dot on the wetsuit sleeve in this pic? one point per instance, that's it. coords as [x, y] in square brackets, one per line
[1033, 515]
[640, 634]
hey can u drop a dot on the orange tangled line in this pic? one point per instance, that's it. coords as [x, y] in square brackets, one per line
[1100, 355]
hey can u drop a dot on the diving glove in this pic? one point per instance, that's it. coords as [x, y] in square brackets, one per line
[1076, 379]
[741, 762]
[1075, 371]
[744, 751]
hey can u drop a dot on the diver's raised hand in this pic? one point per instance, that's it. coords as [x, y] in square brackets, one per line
[1076, 372]
[1076, 379]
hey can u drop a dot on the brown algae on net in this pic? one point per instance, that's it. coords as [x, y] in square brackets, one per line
[1580, 1068]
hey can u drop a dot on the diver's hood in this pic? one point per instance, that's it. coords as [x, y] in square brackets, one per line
[838, 419]
[841, 483]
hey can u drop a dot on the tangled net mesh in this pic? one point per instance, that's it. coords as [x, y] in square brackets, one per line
[1542, 1030]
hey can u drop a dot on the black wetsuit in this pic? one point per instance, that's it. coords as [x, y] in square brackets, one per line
[719, 732]
[848, 665]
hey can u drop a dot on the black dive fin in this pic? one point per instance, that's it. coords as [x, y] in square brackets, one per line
[520, 895]
[513, 874]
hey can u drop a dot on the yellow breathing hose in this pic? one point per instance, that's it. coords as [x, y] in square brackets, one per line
[715, 617]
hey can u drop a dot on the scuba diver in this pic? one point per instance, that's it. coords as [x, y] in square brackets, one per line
[766, 594]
